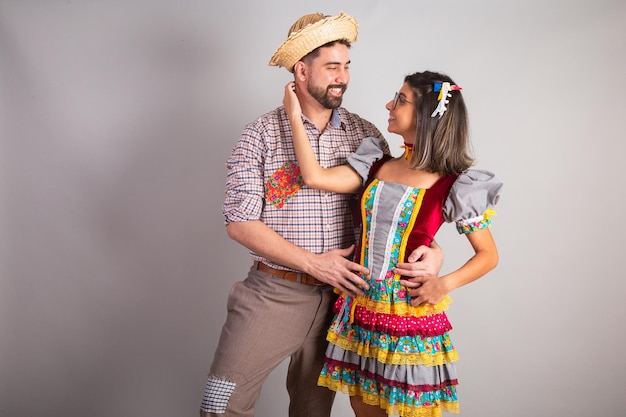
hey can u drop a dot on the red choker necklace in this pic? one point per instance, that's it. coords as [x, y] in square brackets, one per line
[408, 150]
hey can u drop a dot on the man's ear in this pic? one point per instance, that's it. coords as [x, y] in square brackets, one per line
[300, 71]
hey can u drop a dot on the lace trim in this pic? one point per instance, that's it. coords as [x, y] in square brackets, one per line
[429, 411]
[433, 409]
[428, 358]
[475, 223]
[352, 372]
[402, 309]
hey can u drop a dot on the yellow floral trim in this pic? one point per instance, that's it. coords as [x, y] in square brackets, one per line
[396, 358]
[416, 209]
[393, 409]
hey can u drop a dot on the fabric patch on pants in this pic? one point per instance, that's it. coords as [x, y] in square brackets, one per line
[216, 395]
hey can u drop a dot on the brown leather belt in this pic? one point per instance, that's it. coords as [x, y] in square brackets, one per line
[292, 276]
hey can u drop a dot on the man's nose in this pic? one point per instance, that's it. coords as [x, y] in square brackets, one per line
[343, 76]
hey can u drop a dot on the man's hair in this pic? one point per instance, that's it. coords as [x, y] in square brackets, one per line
[442, 144]
[316, 52]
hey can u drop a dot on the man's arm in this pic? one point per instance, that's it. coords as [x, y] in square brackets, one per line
[331, 267]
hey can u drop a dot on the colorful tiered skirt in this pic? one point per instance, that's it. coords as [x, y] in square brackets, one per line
[392, 354]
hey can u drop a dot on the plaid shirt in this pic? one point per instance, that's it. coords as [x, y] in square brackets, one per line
[264, 181]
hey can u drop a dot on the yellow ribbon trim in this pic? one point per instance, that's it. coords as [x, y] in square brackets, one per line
[488, 213]
[408, 150]
[352, 309]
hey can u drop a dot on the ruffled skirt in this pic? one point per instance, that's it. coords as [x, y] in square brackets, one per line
[392, 354]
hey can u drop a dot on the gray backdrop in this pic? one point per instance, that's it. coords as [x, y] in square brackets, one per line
[116, 120]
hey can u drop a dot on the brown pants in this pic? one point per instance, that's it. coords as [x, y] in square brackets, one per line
[270, 319]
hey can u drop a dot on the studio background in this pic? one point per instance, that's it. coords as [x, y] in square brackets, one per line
[116, 119]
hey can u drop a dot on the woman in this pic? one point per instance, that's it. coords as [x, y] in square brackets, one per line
[393, 357]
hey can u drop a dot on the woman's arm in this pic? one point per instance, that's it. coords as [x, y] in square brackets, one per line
[340, 179]
[432, 291]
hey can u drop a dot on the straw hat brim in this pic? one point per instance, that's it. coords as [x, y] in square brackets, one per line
[299, 44]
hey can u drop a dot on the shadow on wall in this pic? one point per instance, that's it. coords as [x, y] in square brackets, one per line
[111, 233]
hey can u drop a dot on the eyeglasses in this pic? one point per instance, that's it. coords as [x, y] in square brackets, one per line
[399, 98]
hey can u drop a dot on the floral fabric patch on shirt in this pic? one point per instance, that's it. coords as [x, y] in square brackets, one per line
[283, 184]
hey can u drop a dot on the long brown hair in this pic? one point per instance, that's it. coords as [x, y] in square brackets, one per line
[442, 144]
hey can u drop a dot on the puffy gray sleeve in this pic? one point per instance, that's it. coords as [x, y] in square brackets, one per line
[471, 200]
[370, 151]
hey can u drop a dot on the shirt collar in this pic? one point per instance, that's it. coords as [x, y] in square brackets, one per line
[335, 119]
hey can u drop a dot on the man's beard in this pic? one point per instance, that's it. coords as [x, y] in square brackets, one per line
[322, 95]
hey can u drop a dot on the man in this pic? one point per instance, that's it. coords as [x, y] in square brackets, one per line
[300, 239]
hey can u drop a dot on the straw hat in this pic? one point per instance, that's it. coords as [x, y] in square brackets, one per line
[310, 32]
